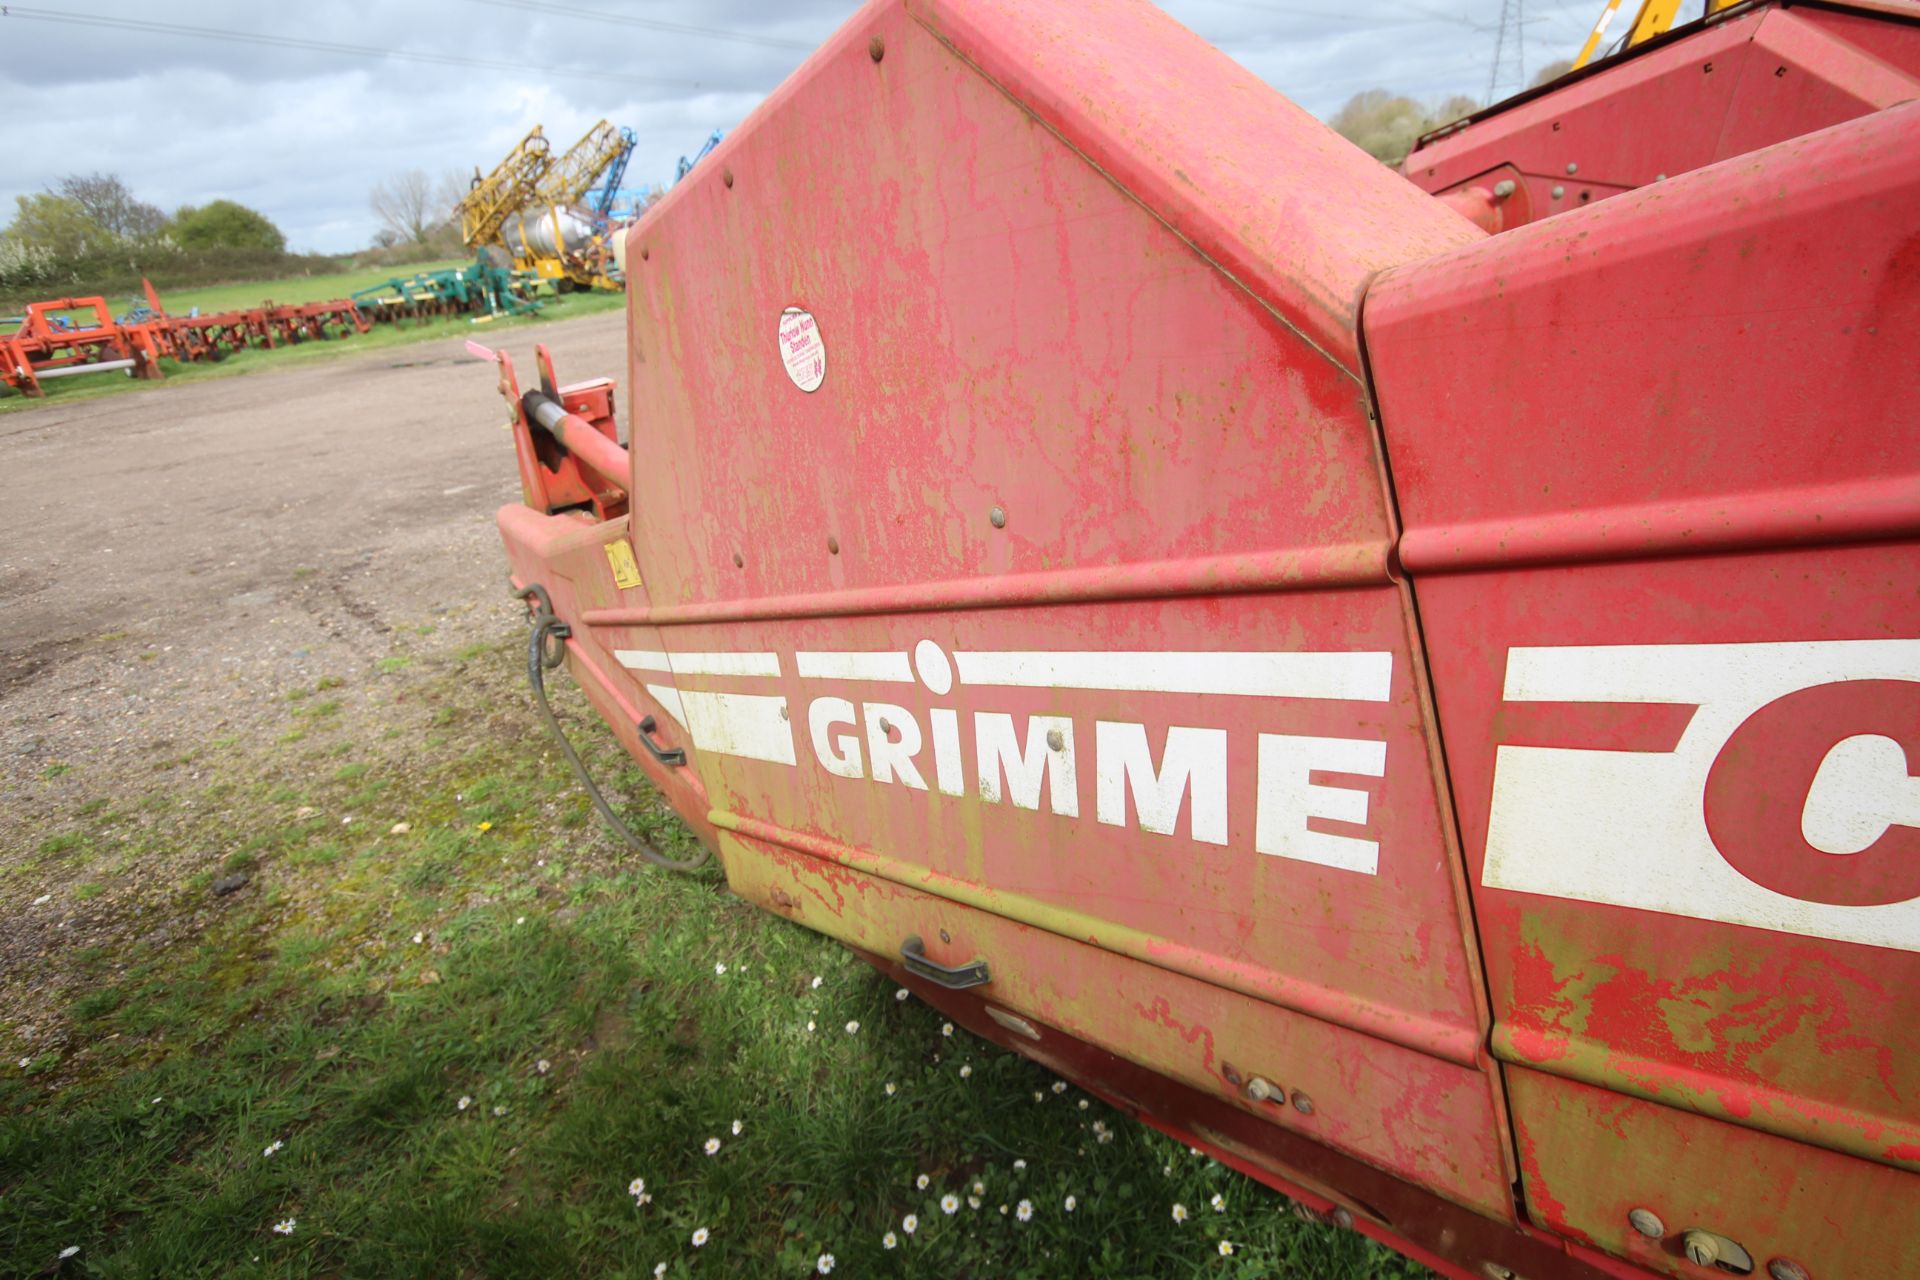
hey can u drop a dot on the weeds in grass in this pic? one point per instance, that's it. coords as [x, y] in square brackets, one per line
[474, 1043]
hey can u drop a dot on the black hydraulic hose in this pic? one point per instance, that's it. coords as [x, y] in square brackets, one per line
[539, 658]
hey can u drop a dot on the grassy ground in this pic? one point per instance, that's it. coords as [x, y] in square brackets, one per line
[447, 1026]
[91, 386]
[228, 297]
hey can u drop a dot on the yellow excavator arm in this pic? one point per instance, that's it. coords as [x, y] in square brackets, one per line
[1653, 19]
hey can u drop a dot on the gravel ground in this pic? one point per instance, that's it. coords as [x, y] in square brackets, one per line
[175, 560]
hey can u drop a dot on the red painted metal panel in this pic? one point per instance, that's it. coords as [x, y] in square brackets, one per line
[1630, 445]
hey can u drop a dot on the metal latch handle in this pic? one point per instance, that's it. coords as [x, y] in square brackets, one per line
[671, 756]
[913, 956]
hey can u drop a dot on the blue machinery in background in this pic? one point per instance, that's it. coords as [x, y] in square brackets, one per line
[602, 200]
[686, 165]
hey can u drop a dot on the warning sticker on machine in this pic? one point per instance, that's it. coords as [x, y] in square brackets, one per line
[626, 573]
[801, 349]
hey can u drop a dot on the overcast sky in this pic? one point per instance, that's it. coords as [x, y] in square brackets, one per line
[302, 134]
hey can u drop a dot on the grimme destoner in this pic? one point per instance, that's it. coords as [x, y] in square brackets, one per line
[1409, 682]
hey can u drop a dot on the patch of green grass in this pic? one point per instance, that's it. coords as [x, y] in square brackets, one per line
[601, 1021]
[399, 662]
[328, 682]
[214, 299]
[53, 771]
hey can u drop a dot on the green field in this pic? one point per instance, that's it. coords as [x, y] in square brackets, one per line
[450, 1048]
[214, 299]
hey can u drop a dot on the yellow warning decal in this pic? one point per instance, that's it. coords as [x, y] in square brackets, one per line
[626, 573]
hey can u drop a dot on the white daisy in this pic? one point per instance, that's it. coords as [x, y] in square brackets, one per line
[853, 1027]
[69, 1251]
[973, 1202]
[737, 1127]
[891, 1089]
[1059, 1086]
[1019, 1164]
[499, 1110]
[910, 1223]
[464, 1102]
[1105, 1135]
[1083, 1104]
[809, 1026]
[922, 1181]
[1039, 1096]
[1003, 1211]
[1024, 1211]
[713, 1145]
[1071, 1204]
[965, 1071]
[889, 1241]
[719, 970]
[817, 980]
[659, 1270]
[824, 1262]
[979, 1188]
[419, 938]
[949, 1204]
[946, 1028]
[284, 1227]
[1179, 1213]
[273, 1147]
[637, 1187]
[543, 1066]
[901, 994]
[1226, 1248]
[1219, 1203]
[700, 1235]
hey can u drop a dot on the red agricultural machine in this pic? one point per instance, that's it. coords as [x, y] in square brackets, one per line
[1418, 697]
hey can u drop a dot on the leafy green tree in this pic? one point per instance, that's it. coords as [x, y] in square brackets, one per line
[1385, 125]
[224, 224]
[54, 223]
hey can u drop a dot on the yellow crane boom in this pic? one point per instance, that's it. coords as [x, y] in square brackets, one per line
[514, 183]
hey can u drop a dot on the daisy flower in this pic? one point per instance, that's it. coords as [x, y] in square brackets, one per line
[1059, 1086]
[910, 1223]
[1003, 1211]
[973, 1202]
[965, 1071]
[1019, 1164]
[543, 1066]
[1105, 1135]
[946, 1028]
[737, 1127]
[979, 1188]
[901, 994]
[824, 1262]
[719, 969]
[69, 1251]
[1179, 1213]
[889, 1241]
[1083, 1104]
[891, 1089]
[1226, 1248]
[713, 1145]
[637, 1187]
[1219, 1203]
[464, 1102]
[659, 1270]
[499, 1110]
[1039, 1096]
[949, 1204]
[817, 980]
[853, 1027]
[921, 1182]
[700, 1235]
[273, 1147]
[1024, 1211]
[809, 1026]
[419, 938]
[284, 1227]
[1071, 1204]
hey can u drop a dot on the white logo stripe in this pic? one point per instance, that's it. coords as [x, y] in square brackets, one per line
[890, 666]
[750, 725]
[1356, 677]
[669, 699]
[700, 664]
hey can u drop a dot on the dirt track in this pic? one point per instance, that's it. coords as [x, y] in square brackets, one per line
[175, 558]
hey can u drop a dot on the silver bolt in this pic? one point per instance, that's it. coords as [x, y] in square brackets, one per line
[1572, 168]
[1647, 1223]
[1786, 1269]
[1259, 1089]
[1343, 1219]
[1302, 1103]
[1702, 1247]
[997, 517]
[1054, 740]
[1504, 188]
[1558, 191]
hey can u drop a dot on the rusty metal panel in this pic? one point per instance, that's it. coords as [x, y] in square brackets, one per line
[1664, 559]
[1022, 564]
